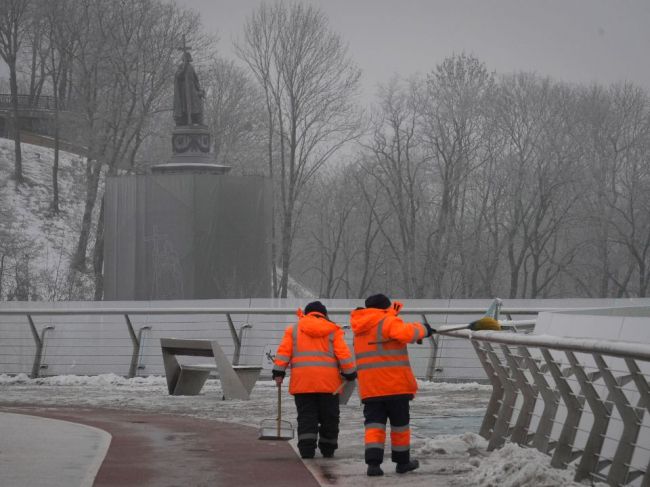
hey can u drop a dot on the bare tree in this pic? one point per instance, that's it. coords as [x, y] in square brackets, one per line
[60, 43]
[35, 49]
[331, 203]
[309, 84]
[522, 105]
[453, 127]
[481, 237]
[368, 221]
[14, 21]
[541, 165]
[626, 198]
[123, 59]
[234, 110]
[398, 164]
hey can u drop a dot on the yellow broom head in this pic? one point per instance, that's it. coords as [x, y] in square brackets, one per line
[485, 323]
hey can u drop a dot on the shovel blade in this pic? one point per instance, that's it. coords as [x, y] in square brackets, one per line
[269, 430]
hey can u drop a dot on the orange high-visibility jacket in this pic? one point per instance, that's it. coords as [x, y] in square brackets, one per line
[380, 339]
[316, 350]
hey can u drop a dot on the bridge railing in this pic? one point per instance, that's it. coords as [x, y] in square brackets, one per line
[42, 102]
[94, 340]
[584, 402]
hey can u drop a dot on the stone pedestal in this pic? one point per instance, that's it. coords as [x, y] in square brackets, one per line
[191, 152]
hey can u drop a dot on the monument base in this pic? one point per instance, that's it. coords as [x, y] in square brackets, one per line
[189, 167]
[191, 153]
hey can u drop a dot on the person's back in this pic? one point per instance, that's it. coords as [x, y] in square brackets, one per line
[318, 356]
[386, 381]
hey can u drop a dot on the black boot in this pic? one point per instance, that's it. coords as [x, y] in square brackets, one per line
[374, 470]
[407, 467]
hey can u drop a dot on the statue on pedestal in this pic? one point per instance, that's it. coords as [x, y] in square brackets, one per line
[190, 136]
[188, 94]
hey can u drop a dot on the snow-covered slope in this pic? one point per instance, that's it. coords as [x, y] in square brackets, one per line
[36, 243]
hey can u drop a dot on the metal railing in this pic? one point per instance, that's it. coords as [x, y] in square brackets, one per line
[69, 329]
[584, 402]
[42, 102]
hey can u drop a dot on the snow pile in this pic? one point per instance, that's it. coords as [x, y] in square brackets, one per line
[514, 466]
[15, 379]
[452, 444]
[101, 380]
[452, 387]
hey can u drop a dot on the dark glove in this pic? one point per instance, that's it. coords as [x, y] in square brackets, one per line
[430, 331]
[278, 373]
[351, 376]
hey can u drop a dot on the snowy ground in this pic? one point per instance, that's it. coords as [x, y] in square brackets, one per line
[444, 418]
[41, 240]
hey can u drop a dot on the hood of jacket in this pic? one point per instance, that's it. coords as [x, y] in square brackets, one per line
[362, 320]
[315, 324]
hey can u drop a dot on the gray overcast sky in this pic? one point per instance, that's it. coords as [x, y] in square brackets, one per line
[573, 40]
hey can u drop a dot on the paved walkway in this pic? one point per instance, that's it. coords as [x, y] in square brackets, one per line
[39, 452]
[152, 450]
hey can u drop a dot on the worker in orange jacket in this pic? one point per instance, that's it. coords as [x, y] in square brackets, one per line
[318, 356]
[386, 381]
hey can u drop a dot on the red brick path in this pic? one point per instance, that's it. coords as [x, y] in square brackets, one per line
[157, 450]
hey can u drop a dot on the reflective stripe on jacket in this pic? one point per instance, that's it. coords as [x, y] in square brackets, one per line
[380, 339]
[317, 353]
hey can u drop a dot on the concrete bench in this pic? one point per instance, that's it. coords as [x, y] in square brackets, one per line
[237, 381]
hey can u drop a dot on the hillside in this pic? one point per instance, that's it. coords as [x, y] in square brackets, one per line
[35, 245]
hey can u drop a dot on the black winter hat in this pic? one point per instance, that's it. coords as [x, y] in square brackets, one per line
[379, 301]
[316, 306]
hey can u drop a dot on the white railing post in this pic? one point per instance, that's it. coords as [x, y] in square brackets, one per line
[529, 392]
[136, 344]
[502, 425]
[644, 401]
[551, 398]
[235, 338]
[496, 398]
[601, 410]
[39, 342]
[563, 453]
[619, 469]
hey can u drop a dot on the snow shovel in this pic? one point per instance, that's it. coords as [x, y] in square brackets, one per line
[276, 429]
[344, 391]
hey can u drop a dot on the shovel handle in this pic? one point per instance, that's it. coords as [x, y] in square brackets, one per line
[279, 408]
[338, 389]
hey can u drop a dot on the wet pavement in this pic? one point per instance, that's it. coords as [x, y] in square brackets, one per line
[203, 440]
[154, 450]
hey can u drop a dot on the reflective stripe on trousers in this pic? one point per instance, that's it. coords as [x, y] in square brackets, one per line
[400, 438]
[375, 435]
